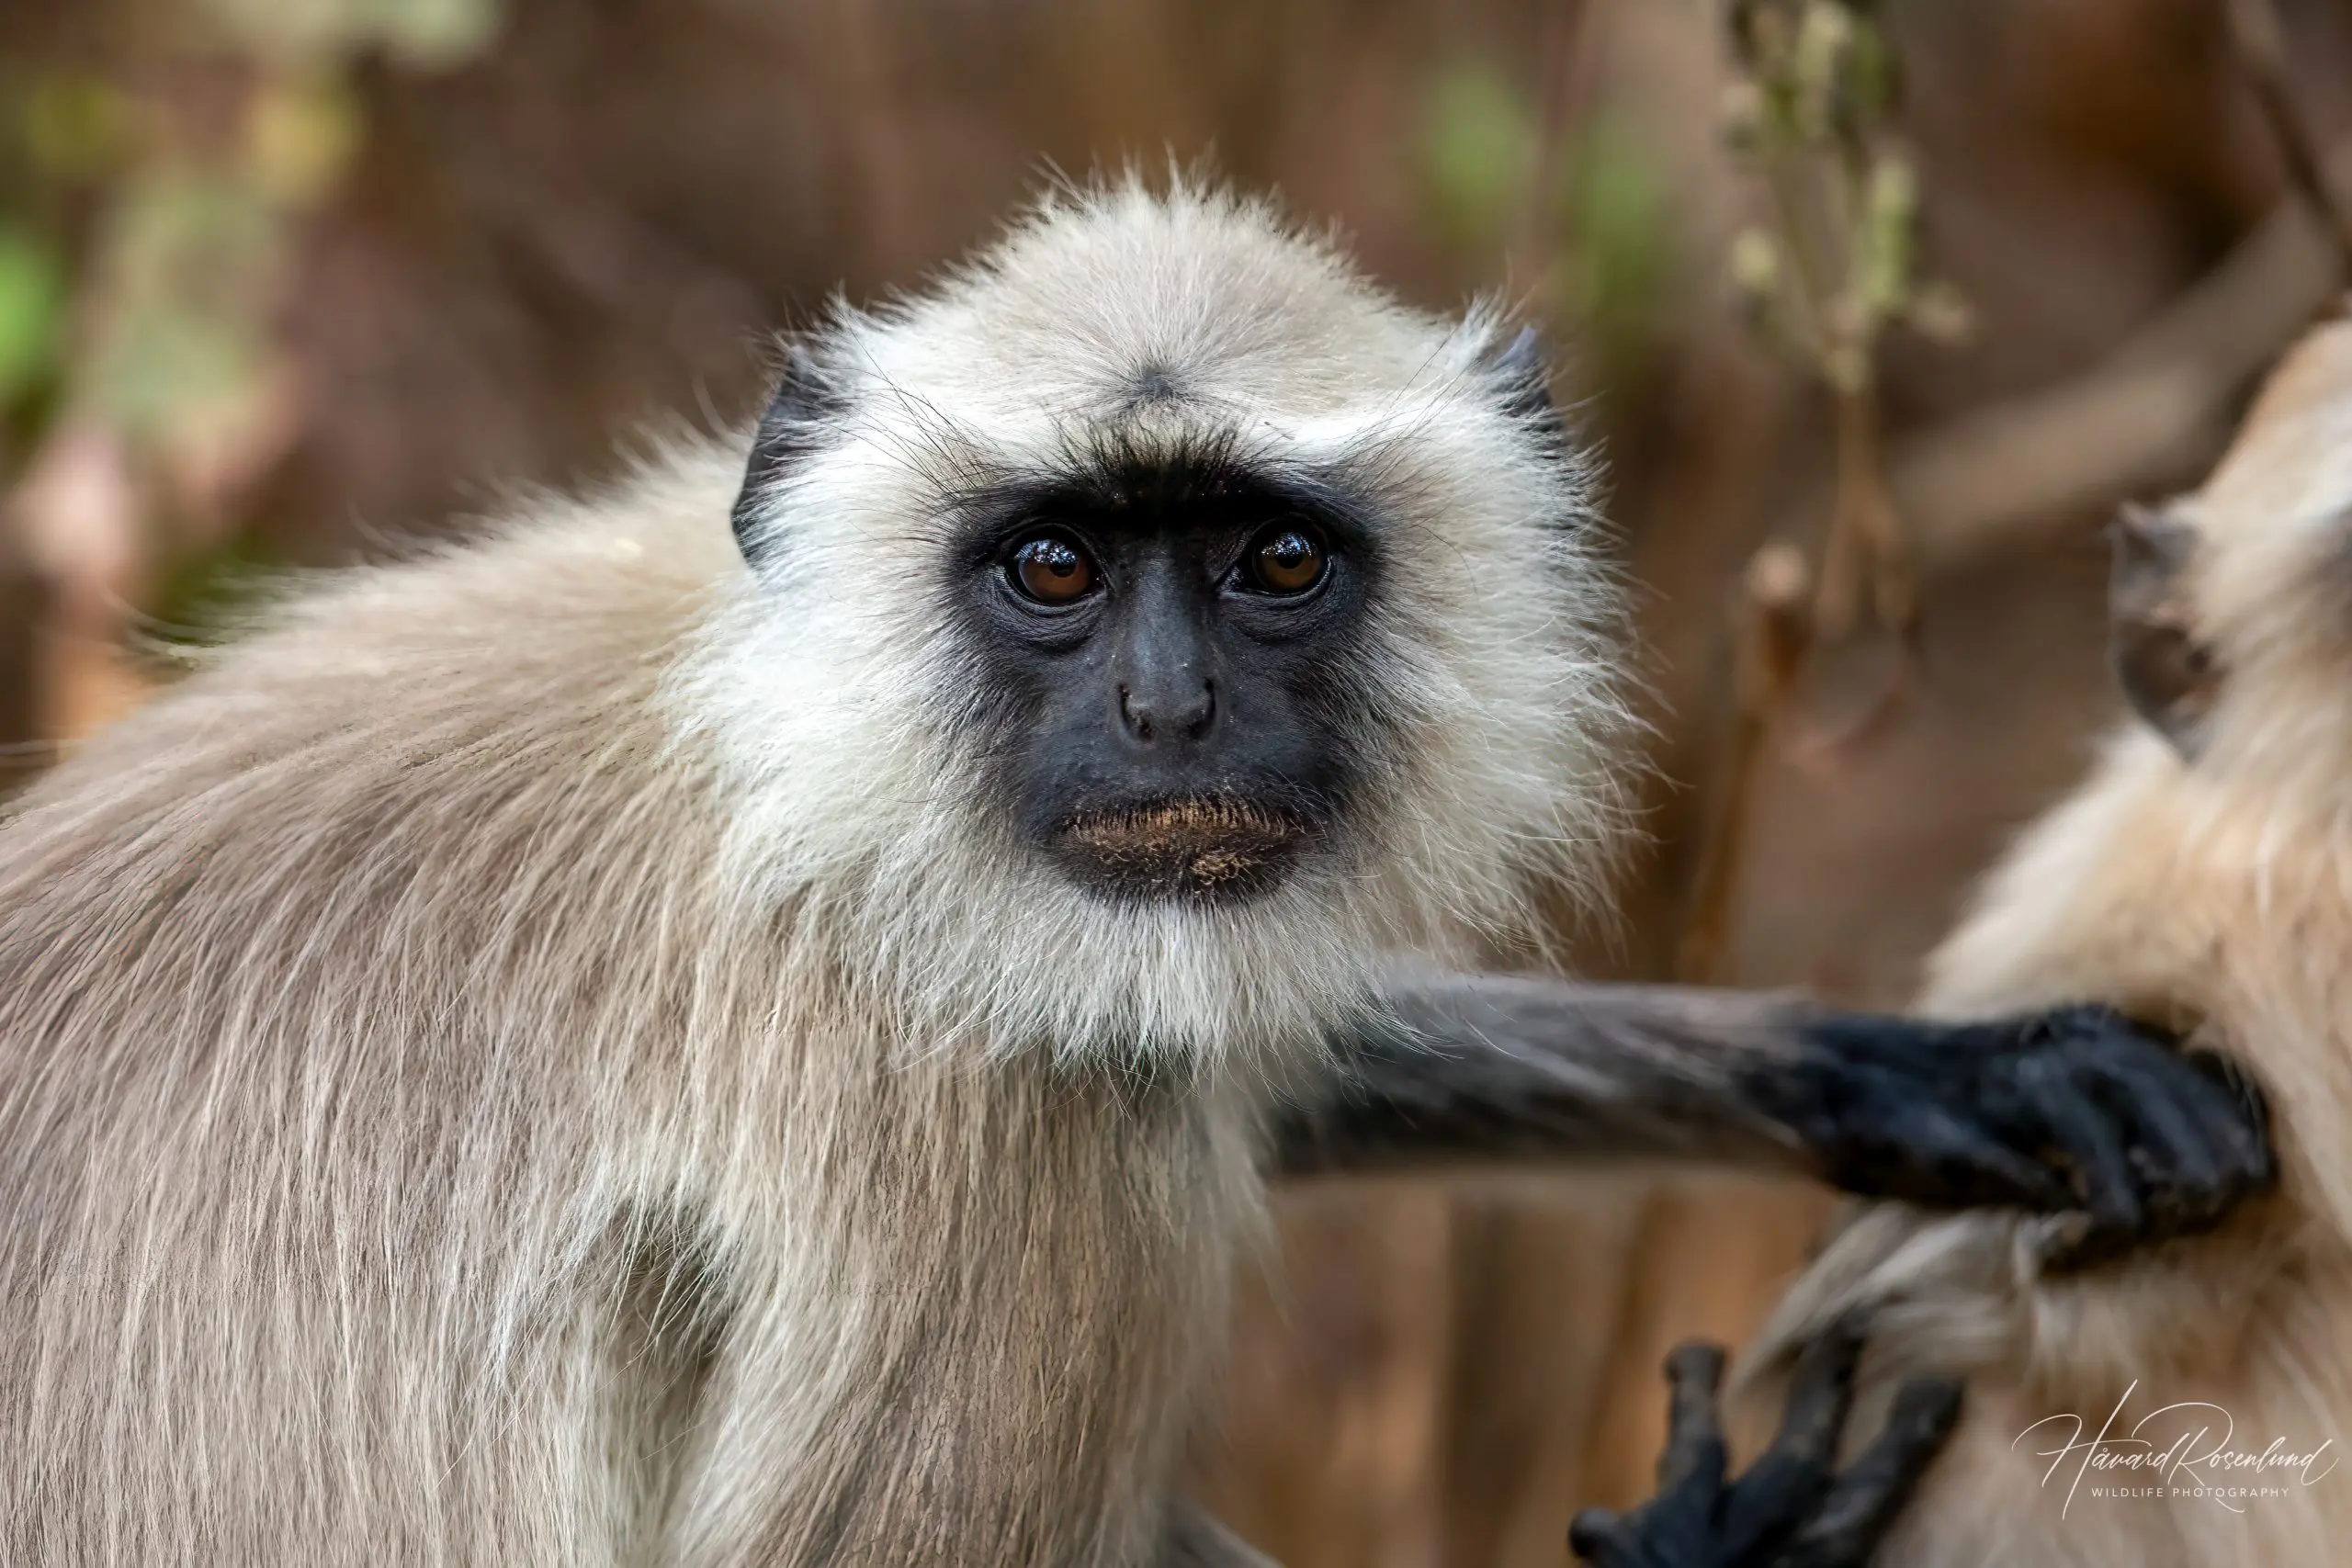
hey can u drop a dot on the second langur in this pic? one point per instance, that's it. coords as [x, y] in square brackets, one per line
[2202, 876]
[636, 1040]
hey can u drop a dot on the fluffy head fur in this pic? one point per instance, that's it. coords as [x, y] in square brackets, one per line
[2211, 891]
[1114, 329]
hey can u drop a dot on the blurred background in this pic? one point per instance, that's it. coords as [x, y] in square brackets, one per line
[1878, 311]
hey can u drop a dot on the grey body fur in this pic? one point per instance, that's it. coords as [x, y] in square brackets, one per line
[539, 1058]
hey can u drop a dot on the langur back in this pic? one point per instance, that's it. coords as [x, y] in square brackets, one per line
[318, 973]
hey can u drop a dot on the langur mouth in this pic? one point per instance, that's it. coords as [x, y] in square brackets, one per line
[1199, 847]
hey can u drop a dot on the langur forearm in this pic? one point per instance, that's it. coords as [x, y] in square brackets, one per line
[1486, 1069]
[2070, 1109]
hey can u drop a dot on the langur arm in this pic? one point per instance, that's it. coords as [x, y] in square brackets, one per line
[2074, 1109]
[1789, 1509]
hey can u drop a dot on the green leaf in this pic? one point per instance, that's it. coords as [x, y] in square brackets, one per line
[1620, 260]
[187, 263]
[1885, 244]
[428, 34]
[438, 34]
[210, 596]
[76, 126]
[32, 311]
[1479, 152]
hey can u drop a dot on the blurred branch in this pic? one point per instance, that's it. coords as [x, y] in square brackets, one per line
[1813, 112]
[579, 238]
[2261, 41]
[2151, 412]
[1567, 64]
[1776, 633]
[1865, 542]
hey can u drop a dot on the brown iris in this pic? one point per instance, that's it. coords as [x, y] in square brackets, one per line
[1286, 559]
[1051, 570]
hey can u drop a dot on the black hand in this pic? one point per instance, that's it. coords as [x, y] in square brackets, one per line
[2077, 1110]
[1790, 1510]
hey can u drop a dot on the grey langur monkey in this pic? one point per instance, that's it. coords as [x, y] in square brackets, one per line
[639, 1041]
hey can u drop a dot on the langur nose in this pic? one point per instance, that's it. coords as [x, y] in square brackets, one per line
[1179, 712]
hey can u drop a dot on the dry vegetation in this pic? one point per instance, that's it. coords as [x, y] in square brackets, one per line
[1879, 311]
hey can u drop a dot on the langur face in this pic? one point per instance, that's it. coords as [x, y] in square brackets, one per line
[1163, 642]
[1154, 626]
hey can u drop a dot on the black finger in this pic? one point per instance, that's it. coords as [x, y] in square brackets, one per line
[1781, 1489]
[1694, 1452]
[1592, 1531]
[2198, 1125]
[2187, 1180]
[1820, 1389]
[2088, 1138]
[1863, 1502]
[2169, 1120]
[2247, 1135]
[1923, 1153]
[2071, 1021]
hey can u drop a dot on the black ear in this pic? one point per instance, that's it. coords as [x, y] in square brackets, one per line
[1527, 390]
[806, 402]
[2169, 674]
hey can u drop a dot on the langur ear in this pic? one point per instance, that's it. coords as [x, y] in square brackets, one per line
[1519, 370]
[2153, 545]
[2166, 672]
[793, 424]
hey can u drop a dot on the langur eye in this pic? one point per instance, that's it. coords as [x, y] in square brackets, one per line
[1286, 559]
[1051, 570]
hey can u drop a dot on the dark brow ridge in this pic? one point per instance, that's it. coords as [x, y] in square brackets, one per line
[1106, 479]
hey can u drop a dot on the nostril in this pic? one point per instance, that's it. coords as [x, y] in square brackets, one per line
[1137, 719]
[1203, 712]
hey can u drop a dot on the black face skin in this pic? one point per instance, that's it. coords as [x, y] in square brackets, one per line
[1159, 643]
